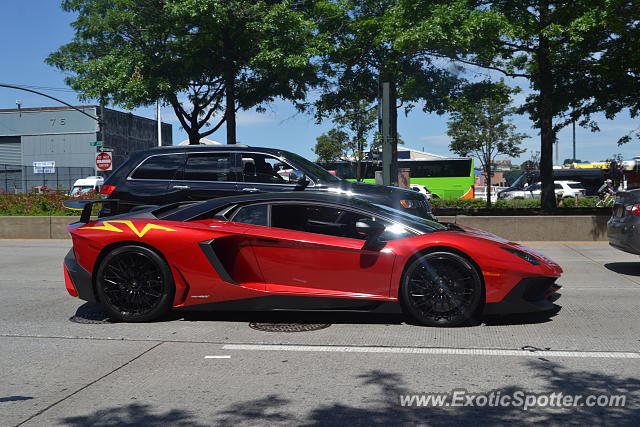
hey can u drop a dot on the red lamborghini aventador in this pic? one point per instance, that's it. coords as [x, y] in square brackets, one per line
[299, 251]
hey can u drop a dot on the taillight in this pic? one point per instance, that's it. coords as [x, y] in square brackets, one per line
[632, 209]
[107, 189]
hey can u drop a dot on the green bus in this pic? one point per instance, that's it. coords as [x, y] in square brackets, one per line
[445, 179]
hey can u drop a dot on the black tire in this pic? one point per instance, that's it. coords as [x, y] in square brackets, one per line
[441, 289]
[134, 284]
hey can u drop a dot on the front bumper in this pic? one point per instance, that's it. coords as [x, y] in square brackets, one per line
[533, 294]
[78, 279]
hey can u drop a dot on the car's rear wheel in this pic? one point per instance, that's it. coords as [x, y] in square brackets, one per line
[134, 284]
[441, 289]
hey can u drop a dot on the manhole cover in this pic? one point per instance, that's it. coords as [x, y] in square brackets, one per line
[93, 314]
[288, 327]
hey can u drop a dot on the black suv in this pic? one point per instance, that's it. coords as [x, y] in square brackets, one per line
[166, 175]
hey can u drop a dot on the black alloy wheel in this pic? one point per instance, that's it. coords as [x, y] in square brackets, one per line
[441, 289]
[134, 284]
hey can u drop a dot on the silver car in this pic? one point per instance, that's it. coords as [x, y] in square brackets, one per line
[623, 229]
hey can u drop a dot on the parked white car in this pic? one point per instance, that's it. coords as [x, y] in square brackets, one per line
[563, 189]
[85, 185]
[421, 189]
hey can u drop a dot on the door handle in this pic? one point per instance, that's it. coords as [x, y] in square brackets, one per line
[181, 187]
[250, 189]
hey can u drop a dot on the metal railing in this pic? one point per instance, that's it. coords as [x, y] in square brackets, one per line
[22, 179]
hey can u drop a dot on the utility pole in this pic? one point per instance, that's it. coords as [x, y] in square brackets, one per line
[389, 142]
[574, 140]
[159, 120]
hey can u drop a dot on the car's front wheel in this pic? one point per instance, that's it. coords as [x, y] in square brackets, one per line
[134, 284]
[441, 289]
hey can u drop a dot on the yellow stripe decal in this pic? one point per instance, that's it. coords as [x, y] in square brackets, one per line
[108, 226]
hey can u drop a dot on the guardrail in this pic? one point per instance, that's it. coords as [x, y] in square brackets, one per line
[520, 228]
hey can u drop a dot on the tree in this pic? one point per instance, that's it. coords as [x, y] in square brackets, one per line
[364, 54]
[610, 79]
[534, 40]
[207, 59]
[331, 146]
[482, 128]
[358, 119]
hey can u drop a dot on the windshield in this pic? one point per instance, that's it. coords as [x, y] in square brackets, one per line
[410, 220]
[80, 189]
[305, 165]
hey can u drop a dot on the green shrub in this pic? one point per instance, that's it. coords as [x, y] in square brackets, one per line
[32, 204]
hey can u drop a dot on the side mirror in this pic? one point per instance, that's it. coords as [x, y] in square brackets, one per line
[373, 230]
[299, 179]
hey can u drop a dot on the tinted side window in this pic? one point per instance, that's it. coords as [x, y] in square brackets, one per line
[159, 167]
[326, 220]
[262, 168]
[254, 214]
[558, 186]
[208, 167]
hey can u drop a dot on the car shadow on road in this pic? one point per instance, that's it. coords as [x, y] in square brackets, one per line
[303, 317]
[93, 313]
[376, 400]
[522, 319]
[626, 268]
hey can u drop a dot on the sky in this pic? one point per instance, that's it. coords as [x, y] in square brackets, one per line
[31, 29]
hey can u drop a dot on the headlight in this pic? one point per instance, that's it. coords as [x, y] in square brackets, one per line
[522, 254]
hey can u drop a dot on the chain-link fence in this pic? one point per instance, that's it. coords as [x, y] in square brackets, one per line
[22, 179]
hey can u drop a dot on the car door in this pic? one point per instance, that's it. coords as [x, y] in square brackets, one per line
[312, 249]
[206, 175]
[263, 173]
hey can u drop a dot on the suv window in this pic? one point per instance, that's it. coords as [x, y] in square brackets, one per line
[208, 167]
[326, 220]
[557, 186]
[576, 186]
[264, 169]
[159, 167]
[253, 214]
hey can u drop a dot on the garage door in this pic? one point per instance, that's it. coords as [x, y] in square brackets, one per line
[10, 150]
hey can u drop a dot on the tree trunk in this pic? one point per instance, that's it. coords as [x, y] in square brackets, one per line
[545, 105]
[488, 183]
[230, 90]
[194, 137]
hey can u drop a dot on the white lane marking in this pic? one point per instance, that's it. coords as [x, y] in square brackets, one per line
[432, 351]
[217, 357]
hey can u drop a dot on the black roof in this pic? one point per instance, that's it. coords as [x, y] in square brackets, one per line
[187, 148]
[190, 211]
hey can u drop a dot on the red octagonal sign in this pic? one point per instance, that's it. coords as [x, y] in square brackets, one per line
[104, 162]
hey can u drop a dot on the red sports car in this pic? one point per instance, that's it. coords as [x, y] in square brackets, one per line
[300, 251]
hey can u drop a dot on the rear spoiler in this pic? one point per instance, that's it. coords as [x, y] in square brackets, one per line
[86, 205]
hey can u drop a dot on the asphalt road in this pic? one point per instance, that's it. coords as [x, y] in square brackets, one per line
[213, 369]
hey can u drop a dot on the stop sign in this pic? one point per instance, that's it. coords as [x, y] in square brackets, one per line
[104, 162]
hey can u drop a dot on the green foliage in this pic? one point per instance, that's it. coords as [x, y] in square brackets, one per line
[363, 52]
[331, 146]
[203, 57]
[553, 44]
[31, 204]
[480, 127]
[568, 203]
